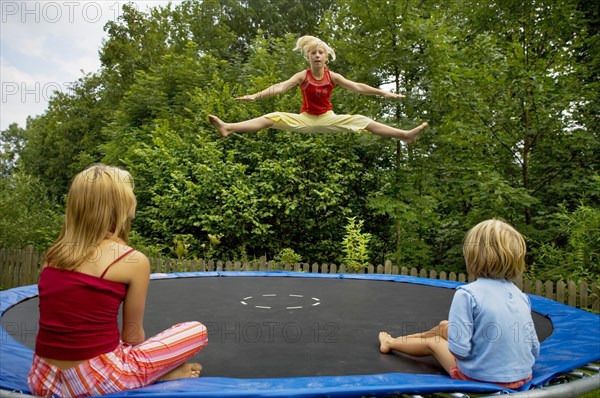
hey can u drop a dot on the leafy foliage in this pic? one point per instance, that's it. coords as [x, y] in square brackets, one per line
[356, 245]
[580, 257]
[288, 256]
[27, 217]
[13, 141]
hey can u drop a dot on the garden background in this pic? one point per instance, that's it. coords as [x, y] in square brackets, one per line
[510, 90]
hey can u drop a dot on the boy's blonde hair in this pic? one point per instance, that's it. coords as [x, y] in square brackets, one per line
[307, 43]
[100, 205]
[494, 249]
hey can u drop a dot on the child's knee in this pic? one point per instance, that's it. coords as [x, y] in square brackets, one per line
[443, 331]
[437, 345]
[200, 331]
[197, 325]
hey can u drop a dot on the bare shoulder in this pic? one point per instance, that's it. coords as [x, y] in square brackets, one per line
[130, 266]
[122, 252]
[132, 253]
[298, 77]
[337, 78]
[135, 259]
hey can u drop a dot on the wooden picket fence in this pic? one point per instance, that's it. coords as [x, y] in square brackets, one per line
[20, 267]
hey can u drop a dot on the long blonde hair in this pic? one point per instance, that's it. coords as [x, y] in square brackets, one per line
[494, 249]
[100, 205]
[306, 43]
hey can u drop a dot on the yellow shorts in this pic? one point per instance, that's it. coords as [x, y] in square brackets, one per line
[328, 122]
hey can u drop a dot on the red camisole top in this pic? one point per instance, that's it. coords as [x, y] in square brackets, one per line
[78, 314]
[316, 94]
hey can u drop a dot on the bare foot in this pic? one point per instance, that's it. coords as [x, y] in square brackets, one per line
[384, 339]
[412, 135]
[220, 125]
[184, 371]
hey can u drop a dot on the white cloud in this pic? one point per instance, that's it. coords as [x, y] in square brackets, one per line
[46, 45]
[21, 95]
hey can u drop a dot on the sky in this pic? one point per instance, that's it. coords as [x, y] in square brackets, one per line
[47, 45]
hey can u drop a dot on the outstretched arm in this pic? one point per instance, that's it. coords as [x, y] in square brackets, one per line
[361, 88]
[276, 88]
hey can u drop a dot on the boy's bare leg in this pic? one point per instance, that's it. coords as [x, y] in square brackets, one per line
[247, 126]
[408, 136]
[441, 329]
[419, 347]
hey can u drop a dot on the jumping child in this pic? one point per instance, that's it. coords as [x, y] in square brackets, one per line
[489, 335]
[316, 115]
[86, 275]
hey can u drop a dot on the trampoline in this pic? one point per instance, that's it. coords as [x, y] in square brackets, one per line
[302, 334]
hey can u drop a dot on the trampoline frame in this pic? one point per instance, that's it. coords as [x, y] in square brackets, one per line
[570, 338]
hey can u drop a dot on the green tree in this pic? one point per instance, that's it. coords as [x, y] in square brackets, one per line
[573, 254]
[27, 217]
[384, 44]
[514, 89]
[67, 137]
[508, 89]
[136, 41]
[12, 142]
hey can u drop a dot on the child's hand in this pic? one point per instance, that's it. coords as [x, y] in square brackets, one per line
[393, 95]
[249, 97]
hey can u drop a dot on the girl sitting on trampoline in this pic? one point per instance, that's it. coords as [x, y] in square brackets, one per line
[316, 115]
[86, 275]
[489, 335]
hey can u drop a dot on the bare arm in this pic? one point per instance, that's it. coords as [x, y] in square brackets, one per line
[361, 88]
[276, 88]
[135, 301]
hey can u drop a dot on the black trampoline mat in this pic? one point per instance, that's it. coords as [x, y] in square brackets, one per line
[267, 327]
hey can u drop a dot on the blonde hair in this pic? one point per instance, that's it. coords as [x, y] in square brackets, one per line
[306, 43]
[494, 249]
[100, 205]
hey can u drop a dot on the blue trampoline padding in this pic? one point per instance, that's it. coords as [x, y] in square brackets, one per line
[330, 386]
[15, 358]
[574, 342]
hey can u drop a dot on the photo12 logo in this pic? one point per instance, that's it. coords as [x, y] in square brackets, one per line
[271, 332]
[61, 11]
[32, 92]
[18, 330]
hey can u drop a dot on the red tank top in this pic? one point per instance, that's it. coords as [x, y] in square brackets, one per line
[78, 314]
[316, 94]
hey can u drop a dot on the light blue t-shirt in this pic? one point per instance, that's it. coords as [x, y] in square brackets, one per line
[491, 331]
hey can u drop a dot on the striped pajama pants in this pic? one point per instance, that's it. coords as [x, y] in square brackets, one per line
[124, 368]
